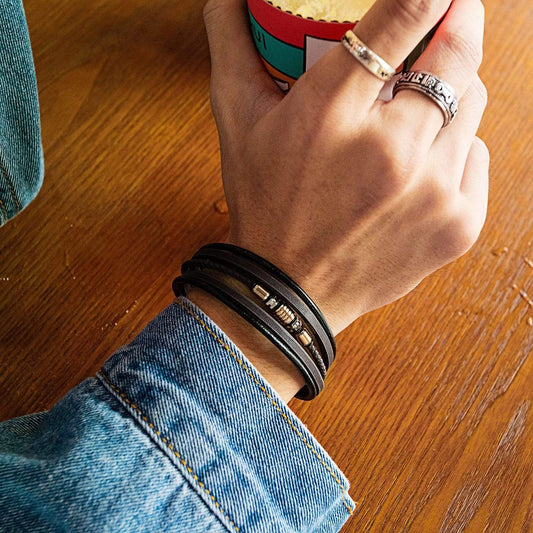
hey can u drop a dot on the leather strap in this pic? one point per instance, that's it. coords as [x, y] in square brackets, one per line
[262, 321]
[203, 263]
[275, 271]
[270, 278]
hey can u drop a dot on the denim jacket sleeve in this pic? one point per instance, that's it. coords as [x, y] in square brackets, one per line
[21, 157]
[178, 431]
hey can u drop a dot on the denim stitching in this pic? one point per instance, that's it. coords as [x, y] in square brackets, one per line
[285, 417]
[4, 210]
[10, 185]
[168, 444]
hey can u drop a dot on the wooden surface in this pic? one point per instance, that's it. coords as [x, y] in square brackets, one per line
[428, 408]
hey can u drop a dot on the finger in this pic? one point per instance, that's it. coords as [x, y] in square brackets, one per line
[238, 77]
[452, 145]
[453, 55]
[463, 219]
[391, 29]
[475, 186]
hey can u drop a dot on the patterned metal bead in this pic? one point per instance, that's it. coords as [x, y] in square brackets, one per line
[296, 326]
[285, 314]
[272, 303]
[304, 337]
[261, 292]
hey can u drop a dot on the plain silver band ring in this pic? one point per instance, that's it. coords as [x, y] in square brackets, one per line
[438, 90]
[369, 59]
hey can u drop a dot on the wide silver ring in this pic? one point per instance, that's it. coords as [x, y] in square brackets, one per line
[369, 59]
[439, 91]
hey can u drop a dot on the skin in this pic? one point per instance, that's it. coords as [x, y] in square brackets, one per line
[355, 198]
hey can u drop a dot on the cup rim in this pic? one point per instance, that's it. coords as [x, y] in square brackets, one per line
[287, 12]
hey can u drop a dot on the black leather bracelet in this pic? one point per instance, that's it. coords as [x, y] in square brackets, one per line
[262, 321]
[275, 271]
[275, 280]
[209, 263]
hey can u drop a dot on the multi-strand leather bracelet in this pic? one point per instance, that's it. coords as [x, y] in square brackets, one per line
[270, 301]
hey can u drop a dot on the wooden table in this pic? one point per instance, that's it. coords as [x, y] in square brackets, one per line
[428, 408]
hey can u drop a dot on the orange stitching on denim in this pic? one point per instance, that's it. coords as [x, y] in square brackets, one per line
[169, 445]
[285, 417]
[10, 185]
[4, 210]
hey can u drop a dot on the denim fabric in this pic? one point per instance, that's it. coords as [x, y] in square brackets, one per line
[177, 432]
[84, 466]
[21, 159]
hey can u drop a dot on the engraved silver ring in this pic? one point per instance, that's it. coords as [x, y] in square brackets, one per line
[438, 90]
[369, 59]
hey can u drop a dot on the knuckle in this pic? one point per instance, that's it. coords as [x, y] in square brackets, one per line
[481, 150]
[392, 169]
[412, 11]
[480, 91]
[436, 198]
[463, 48]
[210, 9]
[402, 159]
[475, 98]
[459, 234]
[479, 156]
[408, 140]
[397, 184]
[398, 172]
[456, 227]
[216, 12]
[312, 96]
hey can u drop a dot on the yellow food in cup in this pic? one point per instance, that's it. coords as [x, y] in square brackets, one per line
[338, 10]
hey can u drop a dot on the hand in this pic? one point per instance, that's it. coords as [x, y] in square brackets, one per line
[355, 198]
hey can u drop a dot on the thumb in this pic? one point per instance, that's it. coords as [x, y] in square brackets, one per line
[238, 76]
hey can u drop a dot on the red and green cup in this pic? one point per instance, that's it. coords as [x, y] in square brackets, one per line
[290, 44]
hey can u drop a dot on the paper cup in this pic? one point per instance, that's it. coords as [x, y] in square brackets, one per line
[290, 44]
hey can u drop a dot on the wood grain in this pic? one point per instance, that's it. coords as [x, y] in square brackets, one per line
[428, 408]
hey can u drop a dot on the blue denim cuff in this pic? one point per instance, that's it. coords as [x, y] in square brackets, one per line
[21, 157]
[247, 455]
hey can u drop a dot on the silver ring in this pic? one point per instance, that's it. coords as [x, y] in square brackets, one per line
[370, 60]
[439, 91]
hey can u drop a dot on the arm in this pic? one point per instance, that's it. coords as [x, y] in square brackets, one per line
[178, 432]
[21, 160]
[355, 198]
[180, 428]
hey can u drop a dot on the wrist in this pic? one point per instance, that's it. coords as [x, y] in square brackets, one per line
[318, 277]
[272, 364]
